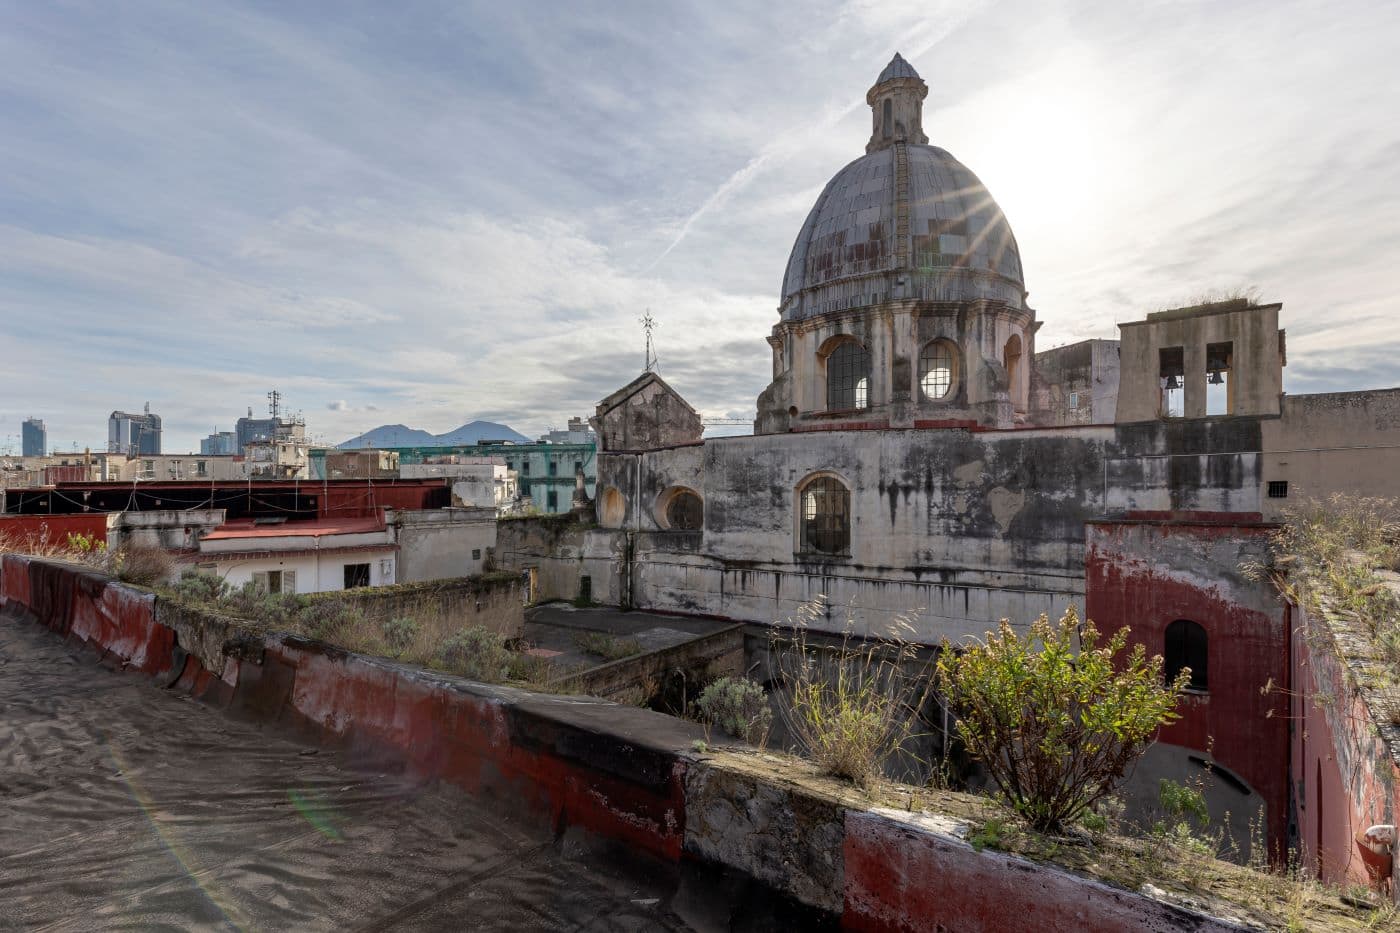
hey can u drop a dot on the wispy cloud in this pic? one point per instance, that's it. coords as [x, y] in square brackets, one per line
[451, 212]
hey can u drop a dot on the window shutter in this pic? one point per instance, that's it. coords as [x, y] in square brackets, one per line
[289, 581]
[260, 580]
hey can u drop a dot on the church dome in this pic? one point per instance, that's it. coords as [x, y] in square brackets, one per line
[904, 221]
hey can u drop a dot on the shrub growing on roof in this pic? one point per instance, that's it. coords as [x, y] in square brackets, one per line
[1055, 724]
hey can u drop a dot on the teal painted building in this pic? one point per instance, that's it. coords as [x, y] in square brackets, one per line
[545, 471]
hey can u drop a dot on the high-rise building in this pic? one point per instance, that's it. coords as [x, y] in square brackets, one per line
[35, 434]
[219, 444]
[277, 427]
[252, 430]
[133, 434]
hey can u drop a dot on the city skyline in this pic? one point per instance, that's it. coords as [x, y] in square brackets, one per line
[451, 213]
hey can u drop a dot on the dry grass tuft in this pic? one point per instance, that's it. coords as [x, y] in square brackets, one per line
[851, 705]
[611, 647]
[1331, 557]
[423, 634]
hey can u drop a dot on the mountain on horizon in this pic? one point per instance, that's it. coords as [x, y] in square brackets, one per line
[400, 435]
[474, 432]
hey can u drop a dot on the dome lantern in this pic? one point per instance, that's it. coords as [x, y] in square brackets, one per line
[897, 106]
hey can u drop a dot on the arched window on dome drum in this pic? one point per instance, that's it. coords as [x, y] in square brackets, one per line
[847, 377]
[1011, 359]
[937, 369]
[1186, 646]
[888, 114]
[824, 518]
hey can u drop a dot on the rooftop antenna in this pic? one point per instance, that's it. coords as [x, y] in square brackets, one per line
[274, 403]
[649, 324]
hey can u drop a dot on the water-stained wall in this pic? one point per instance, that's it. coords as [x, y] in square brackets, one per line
[958, 526]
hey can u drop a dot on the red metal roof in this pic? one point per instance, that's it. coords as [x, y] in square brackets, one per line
[248, 528]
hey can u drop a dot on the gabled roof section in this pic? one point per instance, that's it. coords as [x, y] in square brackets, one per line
[621, 396]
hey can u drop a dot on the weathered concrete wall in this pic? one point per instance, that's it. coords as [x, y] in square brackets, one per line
[1146, 575]
[1078, 384]
[1337, 442]
[173, 529]
[910, 872]
[718, 653]
[962, 527]
[659, 472]
[812, 853]
[1345, 745]
[442, 544]
[558, 553]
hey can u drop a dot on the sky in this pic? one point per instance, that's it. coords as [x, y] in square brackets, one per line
[427, 213]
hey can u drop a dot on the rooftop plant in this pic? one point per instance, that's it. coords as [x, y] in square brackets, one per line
[1056, 717]
[739, 706]
[853, 703]
[1331, 556]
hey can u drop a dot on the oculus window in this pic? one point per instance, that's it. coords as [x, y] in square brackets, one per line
[685, 512]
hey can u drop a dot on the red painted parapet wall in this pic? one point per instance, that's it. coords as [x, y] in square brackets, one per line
[28, 530]
[1146, 575]
[1344, 770]
[621, 773]
[907, 873]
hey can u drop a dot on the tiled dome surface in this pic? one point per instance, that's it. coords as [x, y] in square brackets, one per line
[846, 255]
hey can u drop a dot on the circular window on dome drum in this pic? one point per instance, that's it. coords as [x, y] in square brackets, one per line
[937, 369]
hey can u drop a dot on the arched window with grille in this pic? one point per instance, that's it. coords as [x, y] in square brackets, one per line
[1186, 647]
[824, 517]
[847, 377]
[938, 370]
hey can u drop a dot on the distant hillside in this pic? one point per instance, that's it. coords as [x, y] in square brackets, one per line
[399, 435]
[474, 432]
[392, 435]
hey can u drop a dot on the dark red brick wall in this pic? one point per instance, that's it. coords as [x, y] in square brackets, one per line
[1145, 575]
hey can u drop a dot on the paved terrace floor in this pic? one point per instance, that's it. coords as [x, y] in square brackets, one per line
[124, 806]
[556, 627]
